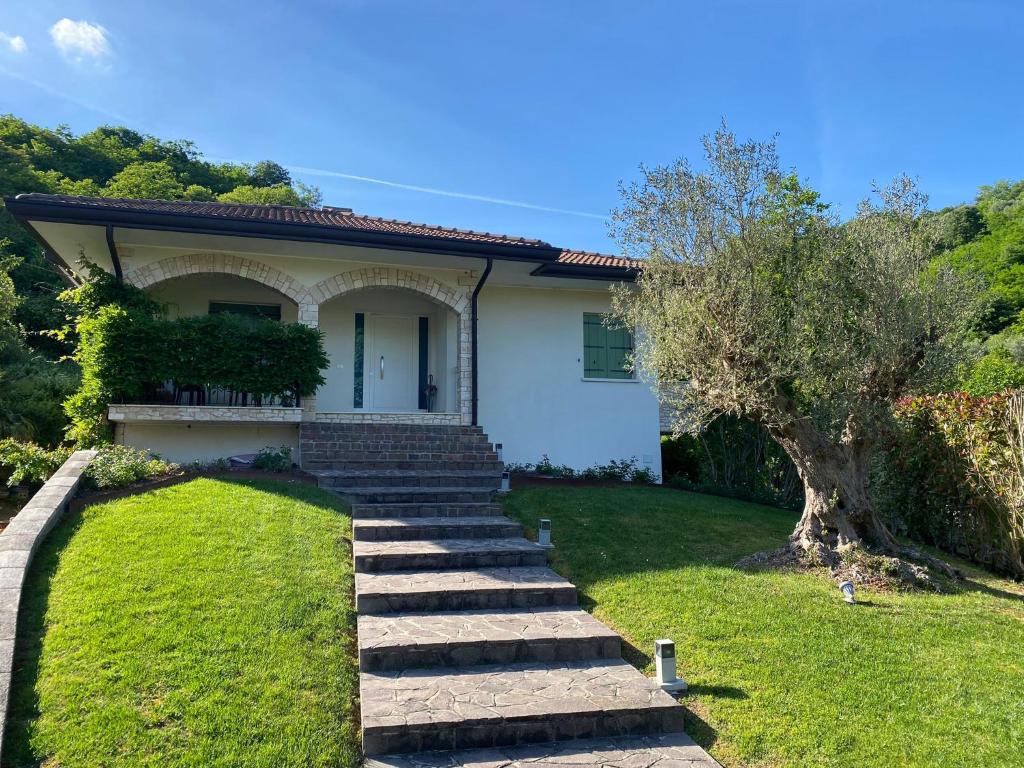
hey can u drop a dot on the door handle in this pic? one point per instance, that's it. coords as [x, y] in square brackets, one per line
[382, 366]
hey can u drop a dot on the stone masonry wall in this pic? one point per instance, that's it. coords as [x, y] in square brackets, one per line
[18, 543]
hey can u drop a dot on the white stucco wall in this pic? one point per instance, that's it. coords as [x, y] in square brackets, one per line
[190, 296]
[205, 442]
[533, 397]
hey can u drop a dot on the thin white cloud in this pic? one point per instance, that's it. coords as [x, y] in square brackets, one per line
[13, 43]
[80, 40]
[443, 192]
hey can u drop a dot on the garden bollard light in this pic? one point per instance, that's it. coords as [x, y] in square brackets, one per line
[505, 487]
[665, 664]
[544, 533]
[847, 588]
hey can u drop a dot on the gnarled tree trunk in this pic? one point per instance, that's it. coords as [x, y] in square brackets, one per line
[838, 512]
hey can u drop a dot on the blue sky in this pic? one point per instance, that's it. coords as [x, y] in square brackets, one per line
[545, 103]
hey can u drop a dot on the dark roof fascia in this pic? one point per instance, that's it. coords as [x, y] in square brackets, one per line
[587, 272]
[50, 253]
[27, 208]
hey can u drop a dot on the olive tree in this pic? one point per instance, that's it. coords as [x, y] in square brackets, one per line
[759, 302]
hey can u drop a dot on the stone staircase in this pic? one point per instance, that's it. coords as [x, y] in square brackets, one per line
[471, 650]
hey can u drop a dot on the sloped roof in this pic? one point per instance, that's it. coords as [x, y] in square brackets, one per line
[341, 220]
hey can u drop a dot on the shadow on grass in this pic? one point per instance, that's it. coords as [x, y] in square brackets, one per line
[23, 707]
[698, 729]
[972, 585]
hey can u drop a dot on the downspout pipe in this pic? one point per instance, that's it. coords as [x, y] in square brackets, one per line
[474, 315]
[114, 258]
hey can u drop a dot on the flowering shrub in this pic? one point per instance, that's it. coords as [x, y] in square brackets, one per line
[273, 459]
[29, 463]
[952, 475]
[116, 466]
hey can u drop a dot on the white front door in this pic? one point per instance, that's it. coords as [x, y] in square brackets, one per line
[392, 364]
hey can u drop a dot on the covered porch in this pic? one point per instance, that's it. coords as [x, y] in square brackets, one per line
[398, 344]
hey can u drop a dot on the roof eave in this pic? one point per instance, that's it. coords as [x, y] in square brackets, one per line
[28, 209]
[587, 272]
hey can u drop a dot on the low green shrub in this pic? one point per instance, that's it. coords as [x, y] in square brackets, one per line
[28, 463]
[273, 459]
[545, 467]
[617, 470]
[622, 471]
[117, 466]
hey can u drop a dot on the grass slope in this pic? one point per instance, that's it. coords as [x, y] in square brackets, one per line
[205, 624]
[781, 672]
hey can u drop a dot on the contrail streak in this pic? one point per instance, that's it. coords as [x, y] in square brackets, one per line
[66, 97]
[442, 192]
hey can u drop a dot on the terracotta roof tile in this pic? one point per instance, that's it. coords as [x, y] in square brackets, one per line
[594, 259]
[329, 216]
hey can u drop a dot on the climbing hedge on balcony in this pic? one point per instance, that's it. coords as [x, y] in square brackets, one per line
[135, 356]
[128, 355]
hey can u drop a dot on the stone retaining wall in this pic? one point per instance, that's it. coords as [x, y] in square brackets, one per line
[204, 413]
[18, 543]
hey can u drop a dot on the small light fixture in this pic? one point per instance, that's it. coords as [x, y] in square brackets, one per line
[505, 487]
[498, 447]
[847, 589]
[544, 533]
[665, 665]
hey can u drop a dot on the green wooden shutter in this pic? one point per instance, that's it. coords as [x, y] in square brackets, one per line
[606, 350]
[595, 347]
[620, 347]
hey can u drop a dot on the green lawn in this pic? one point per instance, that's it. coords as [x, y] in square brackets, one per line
[204, 624]
[781, 671]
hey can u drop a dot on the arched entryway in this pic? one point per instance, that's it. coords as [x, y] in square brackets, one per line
[398, 343]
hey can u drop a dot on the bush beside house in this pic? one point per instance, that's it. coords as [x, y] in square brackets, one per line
[952, 475]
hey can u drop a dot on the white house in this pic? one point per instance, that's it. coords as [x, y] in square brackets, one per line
[509, 329]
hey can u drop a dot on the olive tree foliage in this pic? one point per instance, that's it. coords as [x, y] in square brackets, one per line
[766, 306]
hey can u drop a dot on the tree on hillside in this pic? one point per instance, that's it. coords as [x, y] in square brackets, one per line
[771, 309]
[149, 181]
[111, 161]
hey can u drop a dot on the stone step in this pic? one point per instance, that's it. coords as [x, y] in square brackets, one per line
[487, 706]
[486, 509]
[414, 495]
[399, 443]
[464, 638]
[326, 427]
[424, 528]
[375, 556]
[333, 462]
[458, 590]
[396, 478]
[669, 750]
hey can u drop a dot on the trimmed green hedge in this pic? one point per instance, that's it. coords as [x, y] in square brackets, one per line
[952, 475]
[130, 356]
[134, 355]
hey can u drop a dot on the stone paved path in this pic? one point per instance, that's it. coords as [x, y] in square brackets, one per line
[471, 650]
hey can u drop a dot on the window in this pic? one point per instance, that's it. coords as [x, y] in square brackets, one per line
[606, 350]
[269, 311]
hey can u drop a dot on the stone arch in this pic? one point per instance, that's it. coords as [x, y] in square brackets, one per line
[228, 264]
[455, 298]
